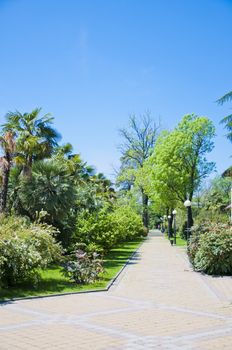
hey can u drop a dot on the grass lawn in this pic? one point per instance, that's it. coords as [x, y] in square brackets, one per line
[180, 242]
[53, 282]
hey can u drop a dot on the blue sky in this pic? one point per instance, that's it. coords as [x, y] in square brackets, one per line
[93, 63]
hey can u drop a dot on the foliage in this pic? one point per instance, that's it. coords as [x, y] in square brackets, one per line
[179, 157]
[138, 143]
[196, 232]
[178, 165]
[94, 194]
[53, 281]
[50, 188]
[108, 226]
[84, 266]
[35, 137]
[210, 249]
[227, 121]
[127, 223]
[24, 248]
[215, 199]
[96, 227]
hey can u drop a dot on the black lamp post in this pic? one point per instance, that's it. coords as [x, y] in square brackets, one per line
[174, 224]
[187, 205]
[170, 229]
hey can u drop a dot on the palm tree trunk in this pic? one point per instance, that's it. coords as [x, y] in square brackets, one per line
[5, 182]
[27, 168]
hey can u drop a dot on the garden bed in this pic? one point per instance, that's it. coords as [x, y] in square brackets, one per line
[53, 281]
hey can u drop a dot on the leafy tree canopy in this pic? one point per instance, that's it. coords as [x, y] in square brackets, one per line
[178, 163]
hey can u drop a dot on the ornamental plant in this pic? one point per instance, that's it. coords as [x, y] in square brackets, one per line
[211, 250]
[196, 232]
[82, 266]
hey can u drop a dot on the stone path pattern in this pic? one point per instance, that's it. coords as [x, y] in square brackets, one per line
[158, 302]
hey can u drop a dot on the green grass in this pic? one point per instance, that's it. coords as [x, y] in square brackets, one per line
[53, 281]
[180, 242]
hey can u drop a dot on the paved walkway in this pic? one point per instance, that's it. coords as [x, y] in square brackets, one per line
[158, 302]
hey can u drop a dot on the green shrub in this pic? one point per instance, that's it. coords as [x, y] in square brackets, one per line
[83, 267]
[212, 253]
[127, 222]
[196, 232]
[24, 248]
[108, 227]
[97, 228]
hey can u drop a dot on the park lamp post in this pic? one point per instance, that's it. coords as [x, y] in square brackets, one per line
[174, 224]
[165, 218]
[187, 205]
[170, 229]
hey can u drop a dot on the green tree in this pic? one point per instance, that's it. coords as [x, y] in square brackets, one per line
[138, 143]
[178, 164]
[35, 136]
[94, 194]
[215, 199]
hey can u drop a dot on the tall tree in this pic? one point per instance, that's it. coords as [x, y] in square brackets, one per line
[227, 121]
[178, 164]
[35, 136]
[7, 143]
[138, 143]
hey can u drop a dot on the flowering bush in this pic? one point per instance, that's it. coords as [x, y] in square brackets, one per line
[196, 232]
[24, 248]
[83, 267]
[210, 250]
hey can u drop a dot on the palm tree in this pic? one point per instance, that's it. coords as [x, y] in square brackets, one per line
[36, 139]
[7, 143]
[51, 189]
[228, 119]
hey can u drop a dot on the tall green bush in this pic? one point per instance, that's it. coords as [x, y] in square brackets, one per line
[108, 226]
[128, 224]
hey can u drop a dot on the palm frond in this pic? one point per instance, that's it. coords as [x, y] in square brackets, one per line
[227, 119]
[227, 97]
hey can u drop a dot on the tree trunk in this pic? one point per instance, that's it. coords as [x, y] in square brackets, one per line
[190, 219]
[5, 181]
[27, 168]
[145, 209]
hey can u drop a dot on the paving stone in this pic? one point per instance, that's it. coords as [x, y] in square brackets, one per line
[158, 302]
